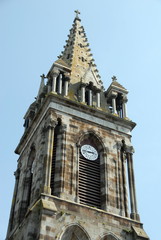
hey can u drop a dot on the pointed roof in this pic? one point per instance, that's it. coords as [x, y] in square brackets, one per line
[78, 57]
[116, 86]
[61, 62]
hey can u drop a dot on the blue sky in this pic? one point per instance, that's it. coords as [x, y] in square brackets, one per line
[125, 39]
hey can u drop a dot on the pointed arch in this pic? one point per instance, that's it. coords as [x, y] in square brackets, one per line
[27, 183]
[109, 236]
[74, 232]
[91, 173]
[91, 133]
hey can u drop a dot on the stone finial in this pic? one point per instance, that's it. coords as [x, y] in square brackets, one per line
[17, 173]
[41, 88]
[42, 76]
[114, 78]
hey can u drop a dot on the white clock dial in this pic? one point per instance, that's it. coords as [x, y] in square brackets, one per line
[89, 152]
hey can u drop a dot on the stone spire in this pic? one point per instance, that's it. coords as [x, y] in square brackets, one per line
[78, 57]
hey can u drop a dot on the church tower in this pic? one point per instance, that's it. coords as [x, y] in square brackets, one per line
[75, 176]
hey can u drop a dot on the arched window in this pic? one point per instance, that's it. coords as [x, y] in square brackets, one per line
[89, 180]
[75, 232]
[28, 182]
[55, 152]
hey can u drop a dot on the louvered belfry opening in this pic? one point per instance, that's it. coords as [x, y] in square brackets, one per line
[89, 178]
[56, 132]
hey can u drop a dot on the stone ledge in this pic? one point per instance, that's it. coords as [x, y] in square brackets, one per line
[77, 205]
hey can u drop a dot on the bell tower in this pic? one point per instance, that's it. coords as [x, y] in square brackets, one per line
[75, 176]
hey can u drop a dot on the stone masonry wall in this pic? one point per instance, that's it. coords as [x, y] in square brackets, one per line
[74, 128]
[111, 165]
[58, 215]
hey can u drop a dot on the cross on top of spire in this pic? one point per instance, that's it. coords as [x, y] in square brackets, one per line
[114, 78]
[77, 14]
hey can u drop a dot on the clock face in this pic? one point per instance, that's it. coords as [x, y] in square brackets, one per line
[89, 152]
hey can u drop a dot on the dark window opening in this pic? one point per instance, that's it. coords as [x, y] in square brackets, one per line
[26, 123]
[57, 84]
[119, 105]
[87, 97]
[55, 143]
[83, 59]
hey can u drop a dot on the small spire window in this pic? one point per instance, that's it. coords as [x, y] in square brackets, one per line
[83, 60]
[26, 123]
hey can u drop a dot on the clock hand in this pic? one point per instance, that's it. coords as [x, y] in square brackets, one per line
[89, 152]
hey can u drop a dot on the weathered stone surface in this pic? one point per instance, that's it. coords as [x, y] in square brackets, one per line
[47, 197]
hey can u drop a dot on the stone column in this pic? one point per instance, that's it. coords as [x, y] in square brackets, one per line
[61, 161]
[125, 195]
[134, 213]
[83, 85]
[124, 108]
[90, 97]
[114, 95]
[78, 146]
[121, 192]
[66, 85]
[49, 129]
[104, 180]
[53, 88]
[49, 85]
[98, 103]
[60, 84]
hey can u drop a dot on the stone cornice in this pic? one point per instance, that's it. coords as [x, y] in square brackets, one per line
[100, 117]
[93, 111]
